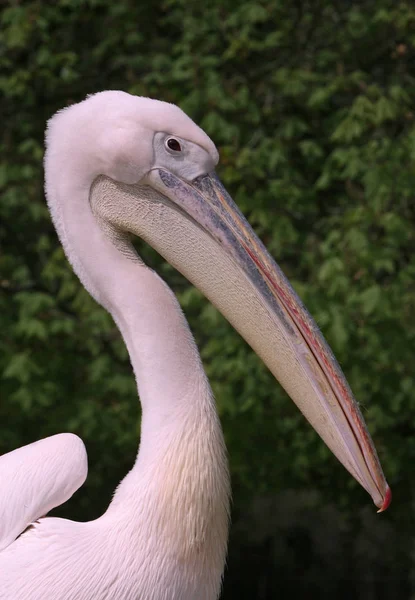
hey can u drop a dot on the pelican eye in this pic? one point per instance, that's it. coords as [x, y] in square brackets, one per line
[174, 145]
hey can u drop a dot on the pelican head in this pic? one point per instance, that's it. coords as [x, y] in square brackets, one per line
[152, 174]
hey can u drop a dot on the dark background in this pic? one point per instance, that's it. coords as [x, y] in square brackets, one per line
[312, 106]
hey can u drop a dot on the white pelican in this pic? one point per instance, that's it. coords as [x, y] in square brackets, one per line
[118, 165]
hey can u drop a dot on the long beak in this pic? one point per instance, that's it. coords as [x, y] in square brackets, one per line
[278, 326]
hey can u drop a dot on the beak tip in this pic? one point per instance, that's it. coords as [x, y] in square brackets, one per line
[387, 500]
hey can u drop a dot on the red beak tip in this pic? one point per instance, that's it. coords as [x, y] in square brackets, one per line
[387, 500]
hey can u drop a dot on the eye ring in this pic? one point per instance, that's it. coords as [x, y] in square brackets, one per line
[173, 144]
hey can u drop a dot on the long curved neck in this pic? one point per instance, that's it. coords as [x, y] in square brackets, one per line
[175, 396]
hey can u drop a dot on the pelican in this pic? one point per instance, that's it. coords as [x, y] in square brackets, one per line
[118, 165]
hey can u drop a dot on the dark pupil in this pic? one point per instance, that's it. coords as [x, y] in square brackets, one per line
[174, 145]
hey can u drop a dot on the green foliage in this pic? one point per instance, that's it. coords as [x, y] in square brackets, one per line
[312, 107]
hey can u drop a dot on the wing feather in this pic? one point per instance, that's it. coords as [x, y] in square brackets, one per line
[36, 478]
